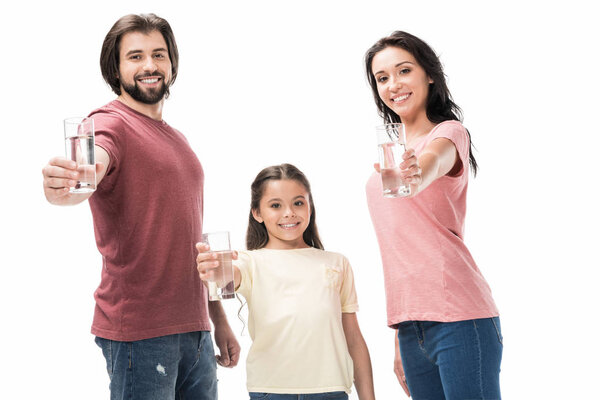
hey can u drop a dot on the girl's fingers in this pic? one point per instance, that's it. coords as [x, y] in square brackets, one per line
[202, 247]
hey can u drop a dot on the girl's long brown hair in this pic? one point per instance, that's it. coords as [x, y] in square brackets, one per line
[256, 235]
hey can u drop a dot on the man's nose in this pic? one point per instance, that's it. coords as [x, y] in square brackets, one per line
[149, 65]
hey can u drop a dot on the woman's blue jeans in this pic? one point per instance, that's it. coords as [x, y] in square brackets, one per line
[452, 360]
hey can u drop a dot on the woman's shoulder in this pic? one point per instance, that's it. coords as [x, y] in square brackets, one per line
[449, 125]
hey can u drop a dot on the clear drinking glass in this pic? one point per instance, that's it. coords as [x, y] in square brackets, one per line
[391, 142]
[79, 147]
[220, 280]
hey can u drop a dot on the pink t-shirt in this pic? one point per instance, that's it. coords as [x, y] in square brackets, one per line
[428, 271]
[147, 214]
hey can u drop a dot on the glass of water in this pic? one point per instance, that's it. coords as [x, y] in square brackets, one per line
[79, 147]
[391, 142]
[220, 280]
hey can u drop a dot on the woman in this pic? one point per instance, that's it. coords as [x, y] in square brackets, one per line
[448, 343]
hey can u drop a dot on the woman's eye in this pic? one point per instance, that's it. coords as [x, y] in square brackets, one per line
[382, 79]
[159, 56]
[404, 71]
[275, 205]
[299, 203]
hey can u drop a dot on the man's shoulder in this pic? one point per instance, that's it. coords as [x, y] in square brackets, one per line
[108, 116]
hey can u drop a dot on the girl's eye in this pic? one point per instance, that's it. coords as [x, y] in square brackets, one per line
[299, 203]
[382, 79]
[275, 205]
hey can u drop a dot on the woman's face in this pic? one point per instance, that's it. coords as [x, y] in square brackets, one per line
[402, 83]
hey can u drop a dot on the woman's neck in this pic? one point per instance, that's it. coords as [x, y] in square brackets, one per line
[416, 128]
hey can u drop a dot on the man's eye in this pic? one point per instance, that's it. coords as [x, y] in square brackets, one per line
[159, 56]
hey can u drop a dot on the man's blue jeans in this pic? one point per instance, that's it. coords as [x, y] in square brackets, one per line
[452, 360]
[312, 396]
[170, 367]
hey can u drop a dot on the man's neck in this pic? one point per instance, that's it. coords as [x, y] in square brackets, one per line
[153, 111]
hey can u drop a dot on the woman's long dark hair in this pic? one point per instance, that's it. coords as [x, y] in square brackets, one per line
[257, 236]
[440, 106]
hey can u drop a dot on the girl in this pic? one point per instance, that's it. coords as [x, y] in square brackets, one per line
[448, 344]
[301, 299]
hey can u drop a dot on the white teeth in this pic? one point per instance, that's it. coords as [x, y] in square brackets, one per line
[400, 98]
[150, 80]
[288, 225]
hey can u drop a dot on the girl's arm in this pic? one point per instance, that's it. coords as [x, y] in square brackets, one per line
[363, 373]
[207, 261]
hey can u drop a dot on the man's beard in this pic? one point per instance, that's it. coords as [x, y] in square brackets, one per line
[151, 96]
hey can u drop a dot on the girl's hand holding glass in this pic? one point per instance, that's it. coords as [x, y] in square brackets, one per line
[209, 269]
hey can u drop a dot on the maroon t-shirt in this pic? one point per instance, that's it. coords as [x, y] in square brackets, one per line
[147, 215]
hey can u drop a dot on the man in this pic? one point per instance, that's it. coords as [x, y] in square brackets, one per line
[151, 317]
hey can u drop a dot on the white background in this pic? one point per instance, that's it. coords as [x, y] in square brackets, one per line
[262, 83]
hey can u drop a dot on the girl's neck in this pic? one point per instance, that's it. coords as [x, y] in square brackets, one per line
[278, 245]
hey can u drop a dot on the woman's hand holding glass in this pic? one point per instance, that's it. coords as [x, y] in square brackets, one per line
[410, 171]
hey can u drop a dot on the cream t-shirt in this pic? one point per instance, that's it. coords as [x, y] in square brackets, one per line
[295, 301]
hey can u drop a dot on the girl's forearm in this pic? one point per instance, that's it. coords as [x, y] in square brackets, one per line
[363, 371]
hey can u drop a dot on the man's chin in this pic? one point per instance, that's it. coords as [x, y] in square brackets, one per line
[146, 96]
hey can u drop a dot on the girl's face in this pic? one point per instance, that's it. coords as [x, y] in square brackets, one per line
[285, 210]
[402, 83]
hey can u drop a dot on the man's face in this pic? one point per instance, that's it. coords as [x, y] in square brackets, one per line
[144, 66]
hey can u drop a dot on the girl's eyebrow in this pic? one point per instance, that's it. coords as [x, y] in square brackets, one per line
[278, 199]
[395, 66]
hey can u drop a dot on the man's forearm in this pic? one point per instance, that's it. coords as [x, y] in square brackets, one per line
[216, 312]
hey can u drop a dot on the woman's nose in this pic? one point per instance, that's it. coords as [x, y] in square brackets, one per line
[395, 84]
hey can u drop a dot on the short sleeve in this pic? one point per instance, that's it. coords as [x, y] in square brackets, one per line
[244, 264]
[457, 133]
[108, 132]
[348, 298]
